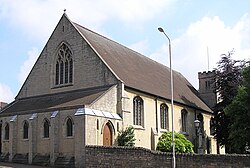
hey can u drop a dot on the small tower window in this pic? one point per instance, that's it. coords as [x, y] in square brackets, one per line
[207, 85]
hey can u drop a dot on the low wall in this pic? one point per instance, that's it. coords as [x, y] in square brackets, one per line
[136, 157]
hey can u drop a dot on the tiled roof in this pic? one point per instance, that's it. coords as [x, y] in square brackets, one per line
[52, 102]
[140, 72]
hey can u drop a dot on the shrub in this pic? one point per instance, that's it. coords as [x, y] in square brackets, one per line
[126, 137]
[182, 144]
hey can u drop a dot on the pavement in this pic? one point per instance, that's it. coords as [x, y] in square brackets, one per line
[15, 165]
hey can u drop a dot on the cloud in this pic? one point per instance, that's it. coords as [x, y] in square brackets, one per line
[28, 64]
[138, 10]
[6, 95]
[30, 15]
[203, 42]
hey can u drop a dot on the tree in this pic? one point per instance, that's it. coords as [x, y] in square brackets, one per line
[239, 114]
[182, 144]
[227, 80]
[126, 137]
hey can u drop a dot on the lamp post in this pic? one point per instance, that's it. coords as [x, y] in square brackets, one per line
[198, 127]
[172, 93]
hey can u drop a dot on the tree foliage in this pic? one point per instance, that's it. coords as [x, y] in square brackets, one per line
[182, 144]
[126, 137]
[239, 114]
[227, 80]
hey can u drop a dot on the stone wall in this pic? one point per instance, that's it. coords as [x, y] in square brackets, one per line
[99, 156]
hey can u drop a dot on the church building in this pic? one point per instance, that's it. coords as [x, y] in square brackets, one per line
[84, 89]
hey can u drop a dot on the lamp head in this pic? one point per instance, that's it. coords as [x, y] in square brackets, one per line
[196, 123]
[160, 29]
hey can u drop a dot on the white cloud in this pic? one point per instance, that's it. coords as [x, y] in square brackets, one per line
[28, 64]
[6, 95]
[138, 10]
[30, 15]
[189, 51]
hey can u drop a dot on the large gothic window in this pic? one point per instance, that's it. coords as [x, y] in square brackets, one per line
[138, 111]
[64, 66]
[164, 116]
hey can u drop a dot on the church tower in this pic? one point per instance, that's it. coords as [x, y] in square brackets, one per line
[207, 88]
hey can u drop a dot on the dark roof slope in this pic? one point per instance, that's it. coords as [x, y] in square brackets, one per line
[52, 102]
[140, 72]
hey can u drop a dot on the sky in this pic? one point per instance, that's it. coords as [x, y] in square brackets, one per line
[200, 31]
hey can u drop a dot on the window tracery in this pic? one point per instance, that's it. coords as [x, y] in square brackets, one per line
[64, 66]
[164, 116]
[138, 111]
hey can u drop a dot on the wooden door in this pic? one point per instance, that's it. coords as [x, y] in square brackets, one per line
[107, 136]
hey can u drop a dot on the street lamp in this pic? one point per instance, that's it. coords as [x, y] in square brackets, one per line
[196, 123]
[198, 127]
[172, 93]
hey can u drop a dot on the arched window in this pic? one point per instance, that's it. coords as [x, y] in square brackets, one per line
[164, 116]
[70, 71]
[46, 126]
[212, 126]
[97, 124]
[117, 126]
[61, 72]
[184, 120]
[64, 66]
[57, 73]
[66, 77]
[25, 130]
[201, 119]
[69, 125]
[6, 132]
[138, 111]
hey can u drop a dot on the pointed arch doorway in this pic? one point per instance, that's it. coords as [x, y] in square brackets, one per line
[107, 135]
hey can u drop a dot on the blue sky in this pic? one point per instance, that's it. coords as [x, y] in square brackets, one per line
[197, 29]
